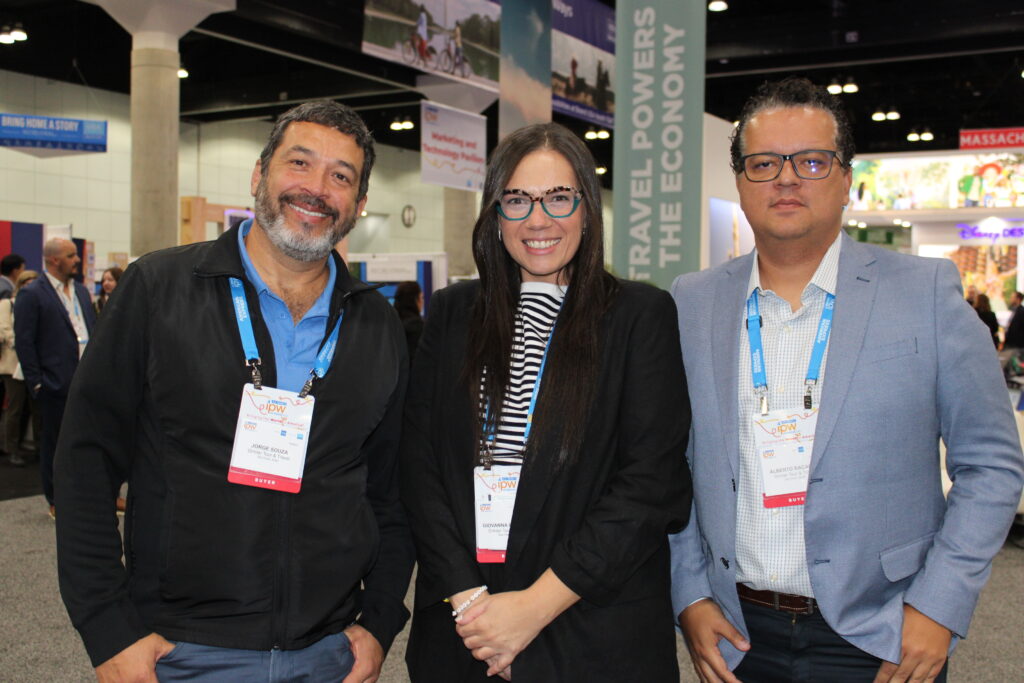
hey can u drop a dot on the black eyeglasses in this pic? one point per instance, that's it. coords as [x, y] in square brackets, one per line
[810, 164]
[558, 202]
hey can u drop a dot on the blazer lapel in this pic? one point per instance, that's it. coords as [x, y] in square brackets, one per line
[856, 285]
[726, 317]
[56, 300]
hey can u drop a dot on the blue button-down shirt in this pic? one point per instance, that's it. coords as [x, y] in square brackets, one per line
[295, 345]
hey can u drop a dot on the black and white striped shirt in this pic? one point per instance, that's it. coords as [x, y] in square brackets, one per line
[539, 303]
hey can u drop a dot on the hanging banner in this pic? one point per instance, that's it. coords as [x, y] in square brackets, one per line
[46, 132]
[658, 143]
[455, 38]
[583, 60]
[453, 147]
[525, 93]
[991, 138]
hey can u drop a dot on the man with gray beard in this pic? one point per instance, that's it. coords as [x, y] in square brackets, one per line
[249, 390]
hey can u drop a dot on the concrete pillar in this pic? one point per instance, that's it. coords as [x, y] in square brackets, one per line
[154, 106]
[460, 211]
[156, 26]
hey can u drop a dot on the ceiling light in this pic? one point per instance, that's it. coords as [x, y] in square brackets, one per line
[905, 224]
[897, 221]
[892, 114]
[600, 170]
[834, 88]
[927, 136]
[912, 136]
[5, 37]
[363, 214]
[591, 134]
[603, 134]
[182, 72]
[408, 124]
[718, 6]
[850, 87]
[878, 116]
[852, 222]
[19, 33]
[862, 225]
[396, 125]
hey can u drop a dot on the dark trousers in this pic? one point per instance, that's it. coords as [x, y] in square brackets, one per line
[51, 412]
[17, 402]
[799, 648]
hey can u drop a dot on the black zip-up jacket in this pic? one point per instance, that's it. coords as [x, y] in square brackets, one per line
[155, 402]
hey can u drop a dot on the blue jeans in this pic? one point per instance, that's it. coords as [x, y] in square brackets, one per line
[329, 659]
[788, 648]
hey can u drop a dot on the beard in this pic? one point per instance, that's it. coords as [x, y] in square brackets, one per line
[306, 243]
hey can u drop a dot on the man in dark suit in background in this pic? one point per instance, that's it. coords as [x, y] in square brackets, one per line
[53, 318]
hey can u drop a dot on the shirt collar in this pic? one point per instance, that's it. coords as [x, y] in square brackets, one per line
[322, 306]
[57, 284]
[824, 277]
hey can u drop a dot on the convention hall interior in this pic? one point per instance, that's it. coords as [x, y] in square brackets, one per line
[917, 78]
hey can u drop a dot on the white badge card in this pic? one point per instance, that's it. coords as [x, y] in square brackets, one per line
[494, 492]
[783, 441]
[271, 439]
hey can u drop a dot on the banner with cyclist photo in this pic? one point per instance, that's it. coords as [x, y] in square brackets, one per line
[583, 60]
[453, 147]
[459, 39]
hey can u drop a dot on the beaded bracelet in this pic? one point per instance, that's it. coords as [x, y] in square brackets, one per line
[464, 606]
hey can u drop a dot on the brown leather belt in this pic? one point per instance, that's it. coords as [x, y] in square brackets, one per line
[783, 602]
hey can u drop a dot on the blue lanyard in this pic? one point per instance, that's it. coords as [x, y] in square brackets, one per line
[252, 352]
[533, 400]
[757, 369]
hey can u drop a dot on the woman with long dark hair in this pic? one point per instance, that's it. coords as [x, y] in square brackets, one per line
[543, 447]
[409, 306]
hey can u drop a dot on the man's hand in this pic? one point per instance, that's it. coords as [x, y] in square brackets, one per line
[136, 663]
[924, 650]
[368, 653]
[703, 626]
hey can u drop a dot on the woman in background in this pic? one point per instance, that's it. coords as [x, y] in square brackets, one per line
[543, 446]
[984, 308]
[409, 304]
[14, 383]
[107, 284]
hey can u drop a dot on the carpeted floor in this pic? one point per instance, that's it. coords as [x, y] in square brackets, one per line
[38, 644]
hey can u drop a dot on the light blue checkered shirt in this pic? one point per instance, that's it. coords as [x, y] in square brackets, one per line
[770, 552]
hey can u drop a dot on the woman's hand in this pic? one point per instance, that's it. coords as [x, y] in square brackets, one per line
[498, 627]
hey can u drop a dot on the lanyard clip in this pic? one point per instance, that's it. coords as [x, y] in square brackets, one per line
[308, 386]
[257, 376]
[763, 399]
[808, 401]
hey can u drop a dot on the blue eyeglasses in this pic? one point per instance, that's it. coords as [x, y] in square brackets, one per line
[558, 202]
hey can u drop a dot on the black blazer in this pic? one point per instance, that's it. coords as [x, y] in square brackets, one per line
[600, 524]
[44, 337]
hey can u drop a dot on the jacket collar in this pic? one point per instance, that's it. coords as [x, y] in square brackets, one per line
[222, 259]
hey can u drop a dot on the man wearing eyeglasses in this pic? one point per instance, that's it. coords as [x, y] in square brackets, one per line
[822, 373]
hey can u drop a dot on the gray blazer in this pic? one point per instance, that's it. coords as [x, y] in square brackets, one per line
[908, 362]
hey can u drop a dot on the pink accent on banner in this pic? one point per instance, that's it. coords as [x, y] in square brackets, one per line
[991, 138]
[237, 475]
[785, 500]
[490, 556]
[5, 237]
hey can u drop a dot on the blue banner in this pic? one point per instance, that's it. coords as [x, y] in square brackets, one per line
[583, 60]
[46, 132]
[525, 88]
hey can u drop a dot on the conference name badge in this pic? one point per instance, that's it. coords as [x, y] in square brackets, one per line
[494, 493]
[783, 442]
[271, 438]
